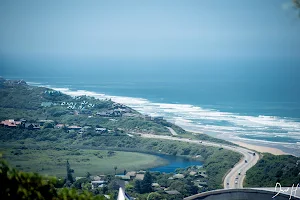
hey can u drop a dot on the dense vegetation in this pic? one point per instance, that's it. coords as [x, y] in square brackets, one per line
[15, 185]
[284, 169]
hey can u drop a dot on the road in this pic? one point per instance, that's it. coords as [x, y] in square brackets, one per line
[241, 167]
[235, 178]
[172, 131]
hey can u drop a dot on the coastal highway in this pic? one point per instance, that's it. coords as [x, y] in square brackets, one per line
[235, 177]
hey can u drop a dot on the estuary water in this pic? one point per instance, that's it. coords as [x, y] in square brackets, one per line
[175, 162]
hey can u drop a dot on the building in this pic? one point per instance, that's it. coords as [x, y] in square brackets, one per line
[140, 177]
[46, 104]
[78, 178]
[74, 127]
[10, 123]
[97, 184]
[101, 130]
[123, 177]
[118, 105]
[193, 173]
[156, 185]
[58, 126]
[98, 177]
[103, 114]
[131, 174]
[32, 126]
[178, 176]
[136, 175]
[87, 128]
[172, 192]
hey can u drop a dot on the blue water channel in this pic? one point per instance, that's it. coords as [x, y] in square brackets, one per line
[174, 163]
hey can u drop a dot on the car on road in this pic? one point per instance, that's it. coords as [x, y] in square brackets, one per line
[239, 173]
[246, 161]
[235, 182]
[227, 183]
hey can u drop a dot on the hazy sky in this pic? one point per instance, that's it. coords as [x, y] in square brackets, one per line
[186, 29]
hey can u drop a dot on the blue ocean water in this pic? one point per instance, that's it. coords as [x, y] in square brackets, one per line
[254, 101]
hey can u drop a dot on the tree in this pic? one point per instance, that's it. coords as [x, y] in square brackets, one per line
[79, 183]
[19, 185]
[104, 189]
[113, 185]
[48, 125]
[65, 128]
[154, 196]
[178, 185]
[69, 178]
[88, 174]
[137, 186]
[146, 183]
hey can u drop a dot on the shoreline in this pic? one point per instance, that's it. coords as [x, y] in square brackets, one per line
[261, 149]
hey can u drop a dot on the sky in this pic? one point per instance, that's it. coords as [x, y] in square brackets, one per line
[171, 29]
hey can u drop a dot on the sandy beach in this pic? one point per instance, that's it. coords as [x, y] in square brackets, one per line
[258, 148]
[261, 149]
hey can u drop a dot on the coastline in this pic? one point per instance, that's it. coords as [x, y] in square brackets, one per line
[143, 105]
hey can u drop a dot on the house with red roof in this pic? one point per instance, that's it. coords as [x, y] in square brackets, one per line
[10, 123]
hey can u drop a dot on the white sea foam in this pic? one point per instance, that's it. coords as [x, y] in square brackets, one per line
[198, 119]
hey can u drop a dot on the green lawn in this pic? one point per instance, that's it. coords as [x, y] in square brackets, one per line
[53, 162]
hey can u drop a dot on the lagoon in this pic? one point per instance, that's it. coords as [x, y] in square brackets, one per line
[174, 162]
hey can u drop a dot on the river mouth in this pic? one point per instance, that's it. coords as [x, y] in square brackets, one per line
[174, 162]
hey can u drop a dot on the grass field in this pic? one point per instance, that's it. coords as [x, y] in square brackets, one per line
[53, 162]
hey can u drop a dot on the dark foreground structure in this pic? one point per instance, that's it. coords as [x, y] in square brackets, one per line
[240, 194]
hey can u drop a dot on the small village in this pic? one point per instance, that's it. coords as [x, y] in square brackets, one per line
[79, 106]
[40, 124]
[196, 172]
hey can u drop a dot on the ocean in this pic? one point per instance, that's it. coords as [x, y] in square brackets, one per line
[257, 102]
